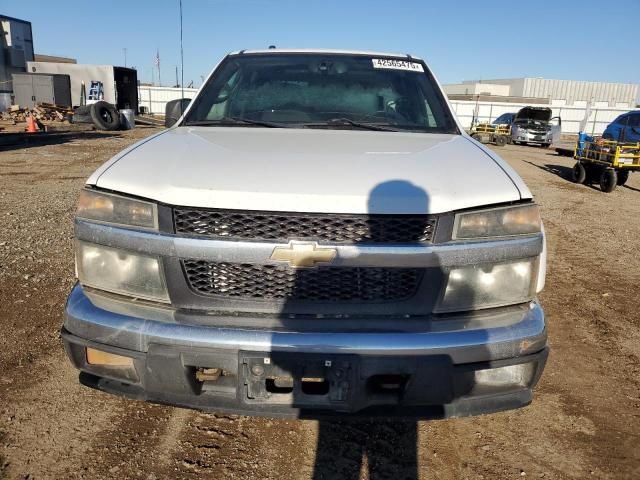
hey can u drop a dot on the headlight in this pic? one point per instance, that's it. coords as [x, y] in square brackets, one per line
[498, 222]
[110, 208]
[120, 271]
[483, 286]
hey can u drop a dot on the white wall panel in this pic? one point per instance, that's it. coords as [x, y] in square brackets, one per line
[571, 115]
[155, 98]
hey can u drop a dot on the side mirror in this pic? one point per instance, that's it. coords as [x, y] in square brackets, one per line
[174, 110]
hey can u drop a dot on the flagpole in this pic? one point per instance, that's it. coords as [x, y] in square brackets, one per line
[181, 56]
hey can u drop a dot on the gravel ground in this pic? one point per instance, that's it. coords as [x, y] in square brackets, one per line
[583, 423]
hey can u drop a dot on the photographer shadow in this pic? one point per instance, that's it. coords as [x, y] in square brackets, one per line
[376, 448]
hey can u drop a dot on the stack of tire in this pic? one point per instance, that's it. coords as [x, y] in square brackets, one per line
[102, 114]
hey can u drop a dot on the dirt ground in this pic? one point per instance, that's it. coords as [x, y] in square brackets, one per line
[584, 421]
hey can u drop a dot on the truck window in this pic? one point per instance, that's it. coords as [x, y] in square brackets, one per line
[313, 90]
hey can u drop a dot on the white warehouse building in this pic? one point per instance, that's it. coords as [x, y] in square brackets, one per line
[552, 92]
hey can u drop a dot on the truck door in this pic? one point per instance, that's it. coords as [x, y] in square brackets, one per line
[556, 129]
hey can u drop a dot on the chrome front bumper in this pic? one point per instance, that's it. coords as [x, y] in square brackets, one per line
[441, 356]
[492, 335]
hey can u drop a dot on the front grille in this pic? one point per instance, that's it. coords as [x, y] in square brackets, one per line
[322, 284]
[339, 228]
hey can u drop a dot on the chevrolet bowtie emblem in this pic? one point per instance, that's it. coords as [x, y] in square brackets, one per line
[303, 255]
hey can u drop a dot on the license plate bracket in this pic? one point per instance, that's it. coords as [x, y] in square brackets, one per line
[297, 379]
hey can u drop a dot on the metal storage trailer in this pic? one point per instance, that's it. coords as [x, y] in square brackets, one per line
[32, 88]
[119, 84]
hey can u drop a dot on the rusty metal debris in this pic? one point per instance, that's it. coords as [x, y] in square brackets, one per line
[208, 374]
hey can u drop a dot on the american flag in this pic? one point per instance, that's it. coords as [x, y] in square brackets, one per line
[157, 60]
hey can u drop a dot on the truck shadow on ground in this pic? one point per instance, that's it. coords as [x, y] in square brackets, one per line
[19, 140]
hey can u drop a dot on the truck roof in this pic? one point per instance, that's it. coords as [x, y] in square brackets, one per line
[326, 51]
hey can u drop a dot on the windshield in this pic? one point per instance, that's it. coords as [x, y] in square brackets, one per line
[503, 119]
[322, 91]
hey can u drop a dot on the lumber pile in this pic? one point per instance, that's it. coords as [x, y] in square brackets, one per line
[43, 112]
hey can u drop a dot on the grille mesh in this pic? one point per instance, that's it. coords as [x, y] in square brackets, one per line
[285, 226]
[323, 284]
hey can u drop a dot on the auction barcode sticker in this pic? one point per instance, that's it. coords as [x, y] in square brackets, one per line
[397, 64]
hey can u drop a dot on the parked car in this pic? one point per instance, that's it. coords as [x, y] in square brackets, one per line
[315, 235]
[532, 125]
[625, 128]
[504, 119]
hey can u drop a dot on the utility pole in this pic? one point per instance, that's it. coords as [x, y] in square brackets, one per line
[158, 65]
[125, 57]
[177, 83]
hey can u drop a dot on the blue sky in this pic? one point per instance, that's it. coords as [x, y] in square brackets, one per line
[578, 40]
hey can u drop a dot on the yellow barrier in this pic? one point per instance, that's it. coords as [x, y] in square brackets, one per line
[488, 128]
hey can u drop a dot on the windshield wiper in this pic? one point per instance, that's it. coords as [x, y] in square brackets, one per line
[353, 123]
[235, 121]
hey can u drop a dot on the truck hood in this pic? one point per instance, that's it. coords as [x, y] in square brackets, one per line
[311, 170]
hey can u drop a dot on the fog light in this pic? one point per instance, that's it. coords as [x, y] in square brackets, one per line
[98, 357]
[511, 376]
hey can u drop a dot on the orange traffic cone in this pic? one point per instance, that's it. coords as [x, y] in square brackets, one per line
[31, 125]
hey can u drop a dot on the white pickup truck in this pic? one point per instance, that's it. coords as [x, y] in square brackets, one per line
[316, 235]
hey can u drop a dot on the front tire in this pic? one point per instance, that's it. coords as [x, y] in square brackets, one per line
[500, 141]
[579, 173]
[608, 180]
